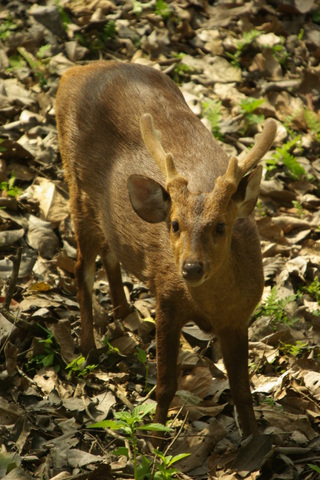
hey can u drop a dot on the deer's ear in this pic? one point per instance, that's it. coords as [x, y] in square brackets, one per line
[247, 193]
[148, 199]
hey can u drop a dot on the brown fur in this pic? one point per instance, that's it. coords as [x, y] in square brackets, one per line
[98, 110]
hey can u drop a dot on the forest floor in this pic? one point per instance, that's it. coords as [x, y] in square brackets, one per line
[237, 63]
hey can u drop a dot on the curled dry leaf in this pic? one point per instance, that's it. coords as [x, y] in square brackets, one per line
[197, 381]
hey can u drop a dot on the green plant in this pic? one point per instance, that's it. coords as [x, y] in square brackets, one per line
[6, 27]
[50, 352]
[181, 70]
[112, 353]
[130, 423]
[313, 122]
[247, 39]
[37, 67]
[98, 40]
[316, 468]
[295, 350]
[63, 15]
[300, 210]
[280, 52]
[212, 111]
[269, 401]
[301, 34]
[162, 9]
[41, 53]
[248, 107]
[275, 308]
[282, 154]
[109, 30]
[313, 290]
[272, 403]
[164, 469]
[15, 62]
[261, 209]
[77, 367]
[10, 188]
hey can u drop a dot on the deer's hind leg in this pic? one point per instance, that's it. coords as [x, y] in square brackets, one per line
[111, 264]
[85, 267]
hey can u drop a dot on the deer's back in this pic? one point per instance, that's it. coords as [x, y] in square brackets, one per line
[98, 114]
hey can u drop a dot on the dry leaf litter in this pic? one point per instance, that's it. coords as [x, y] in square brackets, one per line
[236, 63]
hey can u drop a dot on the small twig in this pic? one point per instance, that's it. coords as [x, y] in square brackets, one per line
[28, 379]
[16, 260]
[120, 395]
[178, 433]
[87, 408]
[142, 401]
[306, 460]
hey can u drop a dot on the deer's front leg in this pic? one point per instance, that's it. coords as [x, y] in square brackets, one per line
[167, 339]
[234, 346]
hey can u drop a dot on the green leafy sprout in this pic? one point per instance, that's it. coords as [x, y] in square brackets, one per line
[50, 356]
[313, 123]
[275, 308]
[283, 155]
[280, 52]
[78, 367]
[109, 30]
[295, 350]
[41, 53]
[10, 188]
[212, 111]
[247, 39]
[248, 107]
[313, 467]
[38, 68]
[98, 40]
[164, 469]
[112, 353]
[313, 290]
[130, 423]
[162, 9]
[6, 27]
[300, 210]
[63, 15]
[181, 71]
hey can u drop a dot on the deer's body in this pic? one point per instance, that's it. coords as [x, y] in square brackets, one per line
[99, 109]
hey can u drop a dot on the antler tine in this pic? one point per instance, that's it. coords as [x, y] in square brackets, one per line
[228, 183]
[263, 144]
[151, 138]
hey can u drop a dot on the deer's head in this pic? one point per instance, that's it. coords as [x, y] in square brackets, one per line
[200, 223]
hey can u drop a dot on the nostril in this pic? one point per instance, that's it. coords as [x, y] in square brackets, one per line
[192, 271]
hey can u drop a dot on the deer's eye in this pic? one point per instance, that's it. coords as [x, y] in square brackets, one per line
[220, 228]
[175, 226]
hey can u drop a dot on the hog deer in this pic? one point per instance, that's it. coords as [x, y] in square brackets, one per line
[150, 188]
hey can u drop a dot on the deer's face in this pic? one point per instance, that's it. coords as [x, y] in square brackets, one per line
[200, 224]
[200, 235]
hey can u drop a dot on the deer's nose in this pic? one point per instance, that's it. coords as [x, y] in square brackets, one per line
[192, 271]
